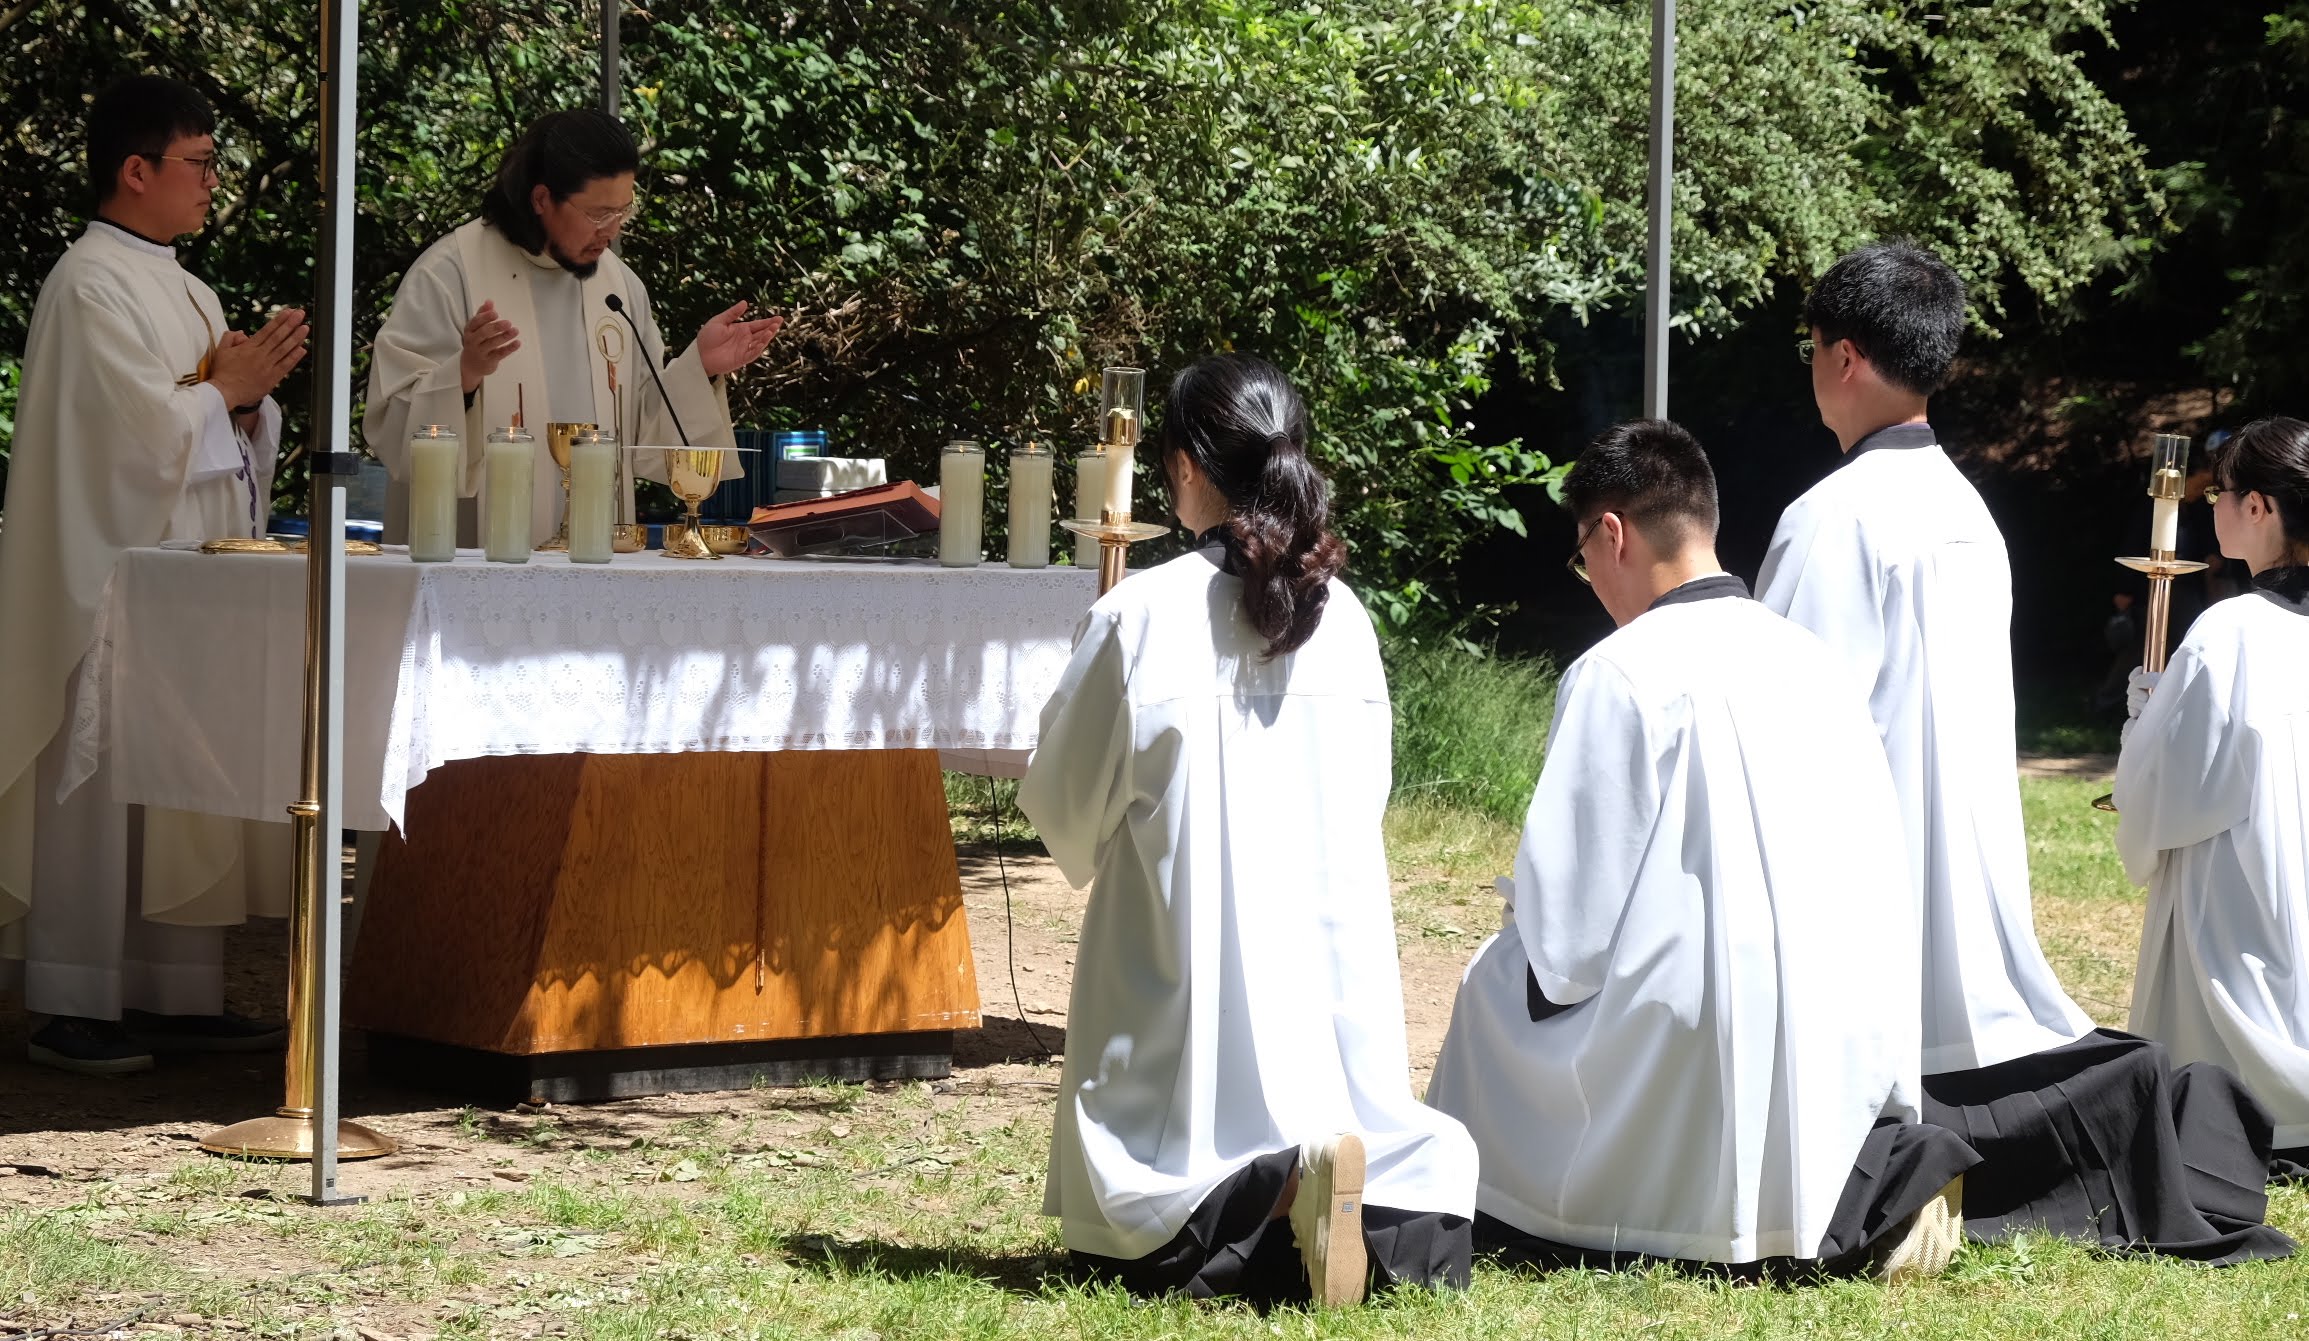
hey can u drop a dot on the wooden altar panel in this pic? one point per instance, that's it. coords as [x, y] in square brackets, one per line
[584, 902]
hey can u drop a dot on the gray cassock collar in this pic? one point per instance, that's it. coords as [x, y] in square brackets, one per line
[1897, 437]
[1702, 589]
[2287, 588]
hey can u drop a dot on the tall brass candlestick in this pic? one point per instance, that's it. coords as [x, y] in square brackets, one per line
[1122, 409]
[2168, 480]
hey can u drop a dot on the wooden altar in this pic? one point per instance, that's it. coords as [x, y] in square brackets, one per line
[583, 927]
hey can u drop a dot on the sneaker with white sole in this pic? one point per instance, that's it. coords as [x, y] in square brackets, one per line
[90, 1047]
[1930, 1241]
[1327, 1219]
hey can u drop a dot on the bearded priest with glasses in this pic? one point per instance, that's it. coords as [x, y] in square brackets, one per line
[516, 313]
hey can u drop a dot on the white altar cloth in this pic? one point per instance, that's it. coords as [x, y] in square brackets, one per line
[646, 655]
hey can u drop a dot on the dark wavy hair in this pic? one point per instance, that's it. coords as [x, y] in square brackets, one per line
[1241, 422]
[560, 151]
[2270, 457]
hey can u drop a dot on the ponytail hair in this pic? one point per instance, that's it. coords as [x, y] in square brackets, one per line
[562, 152]
[1244, 426]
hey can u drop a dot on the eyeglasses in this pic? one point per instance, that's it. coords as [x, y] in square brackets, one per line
[610, 220]
[1804, 351]
[1576, 565]
[2213, 496]
[204, 164]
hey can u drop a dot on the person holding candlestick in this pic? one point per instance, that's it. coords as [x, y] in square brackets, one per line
[2209, 792]
[144, 418]
[501, 312]
[1236, 1077]
[1895, 562]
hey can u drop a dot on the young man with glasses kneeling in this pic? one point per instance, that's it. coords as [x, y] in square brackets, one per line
[1695, 1035]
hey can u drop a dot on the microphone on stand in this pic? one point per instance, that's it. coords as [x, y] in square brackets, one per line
[617, 305]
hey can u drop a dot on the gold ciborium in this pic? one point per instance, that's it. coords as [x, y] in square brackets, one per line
[557, 440]
[694, 473]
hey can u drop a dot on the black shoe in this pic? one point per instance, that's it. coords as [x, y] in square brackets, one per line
[91, 1047]
[206, 1033]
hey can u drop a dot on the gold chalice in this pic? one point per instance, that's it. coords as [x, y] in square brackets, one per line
[557, 440]
[694, 472]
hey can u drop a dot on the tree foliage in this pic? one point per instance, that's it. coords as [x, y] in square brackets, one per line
[968, 206]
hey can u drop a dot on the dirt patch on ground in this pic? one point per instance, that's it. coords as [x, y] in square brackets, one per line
[2068, 765]
[58, 1130]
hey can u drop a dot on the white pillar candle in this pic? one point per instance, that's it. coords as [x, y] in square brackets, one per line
[436, 459]
[1089, 496]
[1117, 481]
[961, 504]
[508, 474]
[2165, 526]
[1030, 497]
[592, 497]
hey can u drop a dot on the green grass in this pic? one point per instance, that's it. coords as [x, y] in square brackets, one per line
[1469, 730]
[881, 1214]
[2088, 916]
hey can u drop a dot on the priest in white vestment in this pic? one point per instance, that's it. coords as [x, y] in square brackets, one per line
[511, 315]
[1695, 1035]
[2213, 801]
[144, 418]
[1217, 756]
[1894, 561]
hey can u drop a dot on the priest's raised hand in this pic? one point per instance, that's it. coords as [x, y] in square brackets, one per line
[246, 367]
[488, 339]
[728, 342]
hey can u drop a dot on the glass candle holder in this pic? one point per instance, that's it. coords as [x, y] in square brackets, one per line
[961, 503]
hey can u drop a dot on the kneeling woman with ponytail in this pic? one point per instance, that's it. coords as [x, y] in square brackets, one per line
[1217, 756]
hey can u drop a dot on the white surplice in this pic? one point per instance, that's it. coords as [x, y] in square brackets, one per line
[1894, 561]
[1711, 881]
[2213, 804]
[117, 445]
[1236, 990]
[560, 370]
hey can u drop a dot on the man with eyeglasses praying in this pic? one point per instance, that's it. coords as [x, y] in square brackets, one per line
[1695, 1035]
[511, 315]
[1894, 561]
[144, 418]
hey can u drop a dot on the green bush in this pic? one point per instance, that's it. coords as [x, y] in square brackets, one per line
[964, 208]
[1470, 728]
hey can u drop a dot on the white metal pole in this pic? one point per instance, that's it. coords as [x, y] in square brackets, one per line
[610, 74]
[332, 462]
[1661, 206]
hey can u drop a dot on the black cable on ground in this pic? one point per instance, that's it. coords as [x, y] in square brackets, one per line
[1009, 934]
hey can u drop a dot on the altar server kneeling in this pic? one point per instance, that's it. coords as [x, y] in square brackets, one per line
[1896, 563]
[2213, 790]
[1695, 1035]
[1237, 1082]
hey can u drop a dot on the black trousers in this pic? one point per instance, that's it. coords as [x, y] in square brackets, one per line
[1233, 1246]
[2104, 1140]
[1901, 1167]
